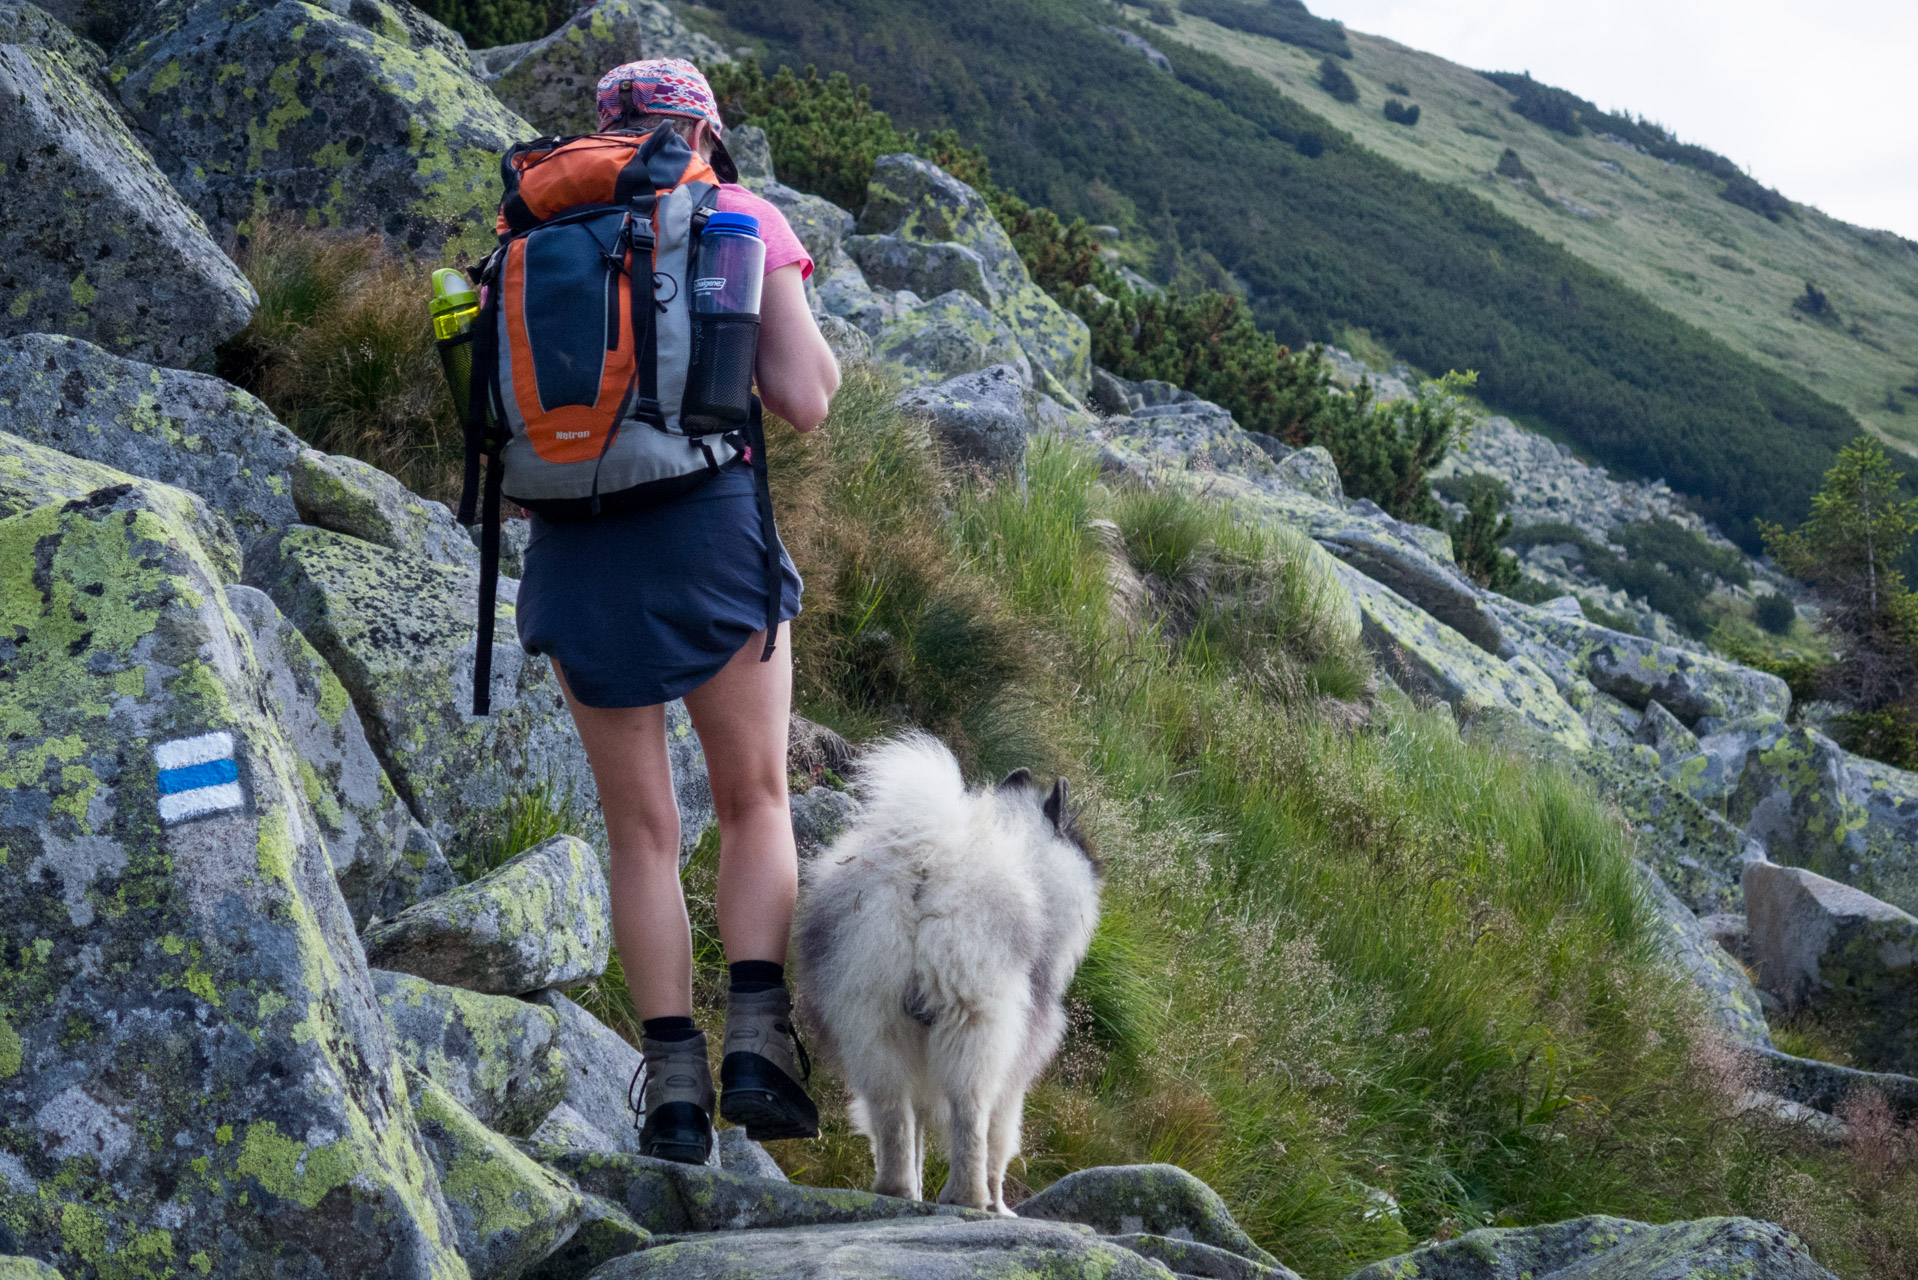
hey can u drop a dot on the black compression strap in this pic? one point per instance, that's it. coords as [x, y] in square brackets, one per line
[488, 588]
[479, 396]
[768, 529]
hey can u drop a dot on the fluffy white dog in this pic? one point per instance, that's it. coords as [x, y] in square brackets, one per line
[938, 936]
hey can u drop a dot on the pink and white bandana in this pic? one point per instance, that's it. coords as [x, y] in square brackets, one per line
[660, 86]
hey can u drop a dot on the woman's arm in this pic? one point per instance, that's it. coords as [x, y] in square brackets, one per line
[797, 371]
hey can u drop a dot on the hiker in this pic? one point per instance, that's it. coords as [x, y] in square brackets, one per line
[670, 599]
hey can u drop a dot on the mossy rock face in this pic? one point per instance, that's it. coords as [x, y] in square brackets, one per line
[365, 116]
[381, 858]
[553, 82]
[99, 244]
[1694, 849]
[914, 200]
[932, 1249]
[26, 1269]
[32, 476]
[948, 336]
[1793, 795]
[1890, 800]
[541, 920]
[1705, 1247]
[1154, 1199]
[190, 430]
[197, 1076]
[348, 496]
[509, 1213]
[494, 1054]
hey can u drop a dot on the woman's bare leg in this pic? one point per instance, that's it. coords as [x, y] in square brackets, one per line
[627, 748]
[741, 715]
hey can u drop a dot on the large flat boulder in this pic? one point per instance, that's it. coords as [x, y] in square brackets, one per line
[914, 201]
[932, 1249]
[542, 919]
[1825, 945]
[362, 115]
[494, 1054]
[190, 430]
[551, 82]
[509, 1213]
[382, 859]
[1588, 1248]
[195, 1065]
[99, 244]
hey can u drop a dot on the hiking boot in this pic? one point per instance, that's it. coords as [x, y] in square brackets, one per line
[761, 1085]
[672, 1096]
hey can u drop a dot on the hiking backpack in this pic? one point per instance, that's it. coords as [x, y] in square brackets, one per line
[584, 347]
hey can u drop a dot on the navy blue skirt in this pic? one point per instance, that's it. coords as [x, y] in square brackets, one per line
[644, 606]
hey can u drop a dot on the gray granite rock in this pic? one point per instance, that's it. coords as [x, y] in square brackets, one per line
[99, 244]
[1729, 997]
[605, 1232]
[236, 1087]
[740, 1154]
[1203, 1261]
[541, 920]
[362, 115]
[819, 816]
[600, 1065]
[978, 418]
[1596, 1246]
[497, 1056]
[890, 262]
[941, 339]
[752, 154]
[345, 495]
[1153, 1199]
[185, 429]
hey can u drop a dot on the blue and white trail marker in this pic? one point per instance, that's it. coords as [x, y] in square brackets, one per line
[198, 776]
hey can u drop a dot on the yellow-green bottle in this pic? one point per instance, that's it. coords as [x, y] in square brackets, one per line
[454, 307]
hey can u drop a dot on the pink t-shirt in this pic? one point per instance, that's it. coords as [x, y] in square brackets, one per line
[782, 246]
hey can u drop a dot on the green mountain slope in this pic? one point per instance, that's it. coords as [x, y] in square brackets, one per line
[1324, 235]
[1661, 228]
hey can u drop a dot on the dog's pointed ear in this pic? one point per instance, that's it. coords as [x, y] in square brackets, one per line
[1017, 778]
[1055, 807]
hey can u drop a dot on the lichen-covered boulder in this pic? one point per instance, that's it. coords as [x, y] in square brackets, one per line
[600, 1066]
[32, 475]
[190, 430]
[1793, 796]
[1729, 997]
[99, 245]
[1597, 1246]
[664, 1197]
[195, 1076]
[1664, 733]
[381, 858]
[496, 1055]
[950, 335]
[1694, 687]
[1826, 1086]
[820, 224]
[331, 491]
[398, 630]
[25, 23]
[914, 200]
[542, 919]
[1697, 853]
[100, 21]
[820, 814]
[1816, 942]
[509, 1213]
[891, 262]
[932, 1249]
[566, 1128]
[1890, 799]
[1156, 1199]
[1311, 470]
[1382, 552]
[363, 115]
[752, 155]
[605, 1232]
[1429, 659]
[740, 1154]
[15, 1268]
[978, 419]
[551, 82]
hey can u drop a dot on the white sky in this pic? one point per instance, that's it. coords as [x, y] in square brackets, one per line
[1818, 99]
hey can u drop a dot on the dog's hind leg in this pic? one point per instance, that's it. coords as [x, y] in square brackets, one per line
[896, 1145]
[1002, 1144]
[966, 1148]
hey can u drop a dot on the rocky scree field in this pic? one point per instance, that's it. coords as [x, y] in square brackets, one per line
[1426, 938]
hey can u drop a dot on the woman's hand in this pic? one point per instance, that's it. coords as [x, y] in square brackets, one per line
[797, 371]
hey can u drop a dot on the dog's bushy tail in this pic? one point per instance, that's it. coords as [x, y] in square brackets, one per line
[912, 784]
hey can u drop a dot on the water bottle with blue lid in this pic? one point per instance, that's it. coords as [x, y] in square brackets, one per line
[729, 270]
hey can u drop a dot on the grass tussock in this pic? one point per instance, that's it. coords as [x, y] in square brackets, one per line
[341, 349]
